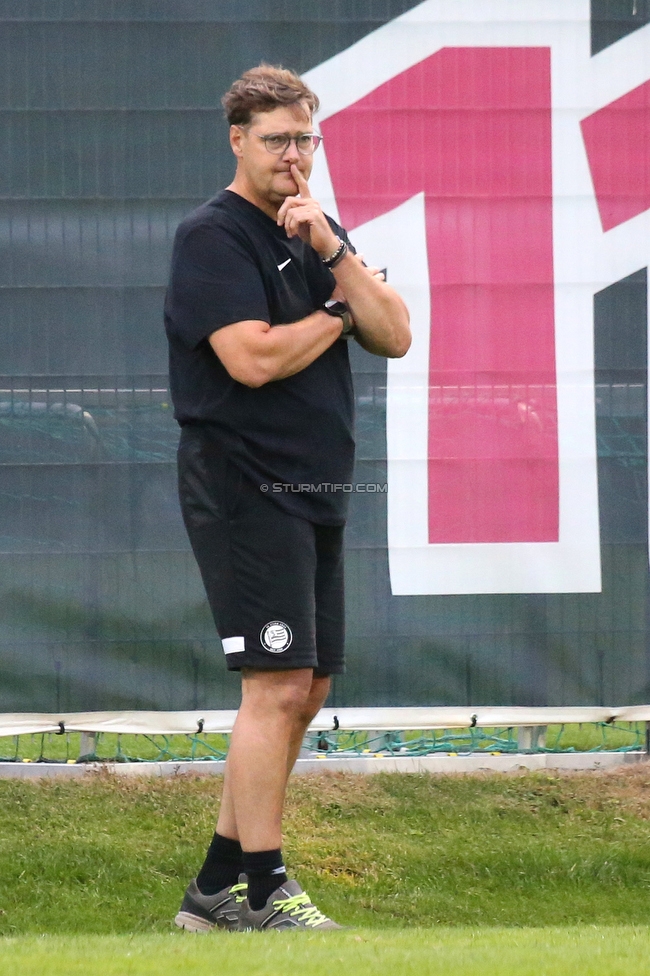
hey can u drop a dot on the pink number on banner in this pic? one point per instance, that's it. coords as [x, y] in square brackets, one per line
[471, 127]
[617, 139]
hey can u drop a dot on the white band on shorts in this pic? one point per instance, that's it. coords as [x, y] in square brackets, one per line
[233, 645]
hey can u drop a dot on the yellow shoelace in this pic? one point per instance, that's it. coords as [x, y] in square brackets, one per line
[299, 906]
[235, 889]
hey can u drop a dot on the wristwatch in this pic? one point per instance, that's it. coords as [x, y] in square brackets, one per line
[342, 311]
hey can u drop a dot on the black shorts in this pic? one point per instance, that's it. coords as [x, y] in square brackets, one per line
[274, 581]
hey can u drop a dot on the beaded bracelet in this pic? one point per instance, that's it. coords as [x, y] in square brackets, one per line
[338, 255]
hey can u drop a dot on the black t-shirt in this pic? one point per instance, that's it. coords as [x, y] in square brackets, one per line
[232, 263]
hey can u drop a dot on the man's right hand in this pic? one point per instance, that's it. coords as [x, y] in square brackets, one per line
[303, 217]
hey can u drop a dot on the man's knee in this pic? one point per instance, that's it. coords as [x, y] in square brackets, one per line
[287, 693]
[318, 693]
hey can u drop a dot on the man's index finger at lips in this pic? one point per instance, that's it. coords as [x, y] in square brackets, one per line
[303, 185]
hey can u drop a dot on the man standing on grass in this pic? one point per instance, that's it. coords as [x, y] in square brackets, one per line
[264, 291]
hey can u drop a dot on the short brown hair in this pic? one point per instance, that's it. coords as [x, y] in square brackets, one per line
[262, 89]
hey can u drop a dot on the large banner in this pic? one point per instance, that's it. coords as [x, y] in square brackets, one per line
[502, 176]
[494, 157]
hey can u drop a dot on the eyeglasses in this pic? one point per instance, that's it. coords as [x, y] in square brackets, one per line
[278, 143]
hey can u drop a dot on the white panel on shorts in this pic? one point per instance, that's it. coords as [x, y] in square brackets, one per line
[233, 645]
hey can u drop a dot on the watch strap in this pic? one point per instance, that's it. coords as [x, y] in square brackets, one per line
[341, 310]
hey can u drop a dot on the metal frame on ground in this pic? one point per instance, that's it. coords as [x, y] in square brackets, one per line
[332, 720]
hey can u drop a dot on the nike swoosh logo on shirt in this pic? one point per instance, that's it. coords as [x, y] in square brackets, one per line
[284, 264]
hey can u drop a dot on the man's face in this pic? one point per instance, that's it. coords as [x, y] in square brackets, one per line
[266, 176]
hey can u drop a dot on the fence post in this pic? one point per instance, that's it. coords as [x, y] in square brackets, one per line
[88, 745]
[531, 737]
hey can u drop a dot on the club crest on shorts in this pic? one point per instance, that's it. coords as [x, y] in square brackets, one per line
[276, 636]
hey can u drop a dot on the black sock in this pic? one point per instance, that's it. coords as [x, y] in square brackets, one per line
[266, 872]
[222, 865]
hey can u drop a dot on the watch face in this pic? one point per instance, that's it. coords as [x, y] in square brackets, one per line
[335, 308]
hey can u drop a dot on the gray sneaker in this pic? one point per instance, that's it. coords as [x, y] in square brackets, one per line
[288, 907]
[201, 913]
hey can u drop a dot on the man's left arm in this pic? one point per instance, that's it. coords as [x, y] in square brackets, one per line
[380, 316]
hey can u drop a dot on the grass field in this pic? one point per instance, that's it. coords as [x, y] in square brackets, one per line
[587, 951]
[531, 873]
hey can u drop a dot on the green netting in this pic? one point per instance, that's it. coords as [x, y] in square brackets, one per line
[110, 747]
[626, 737]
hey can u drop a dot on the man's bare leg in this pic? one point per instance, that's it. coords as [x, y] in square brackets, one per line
[277, 707]
[318, 693]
